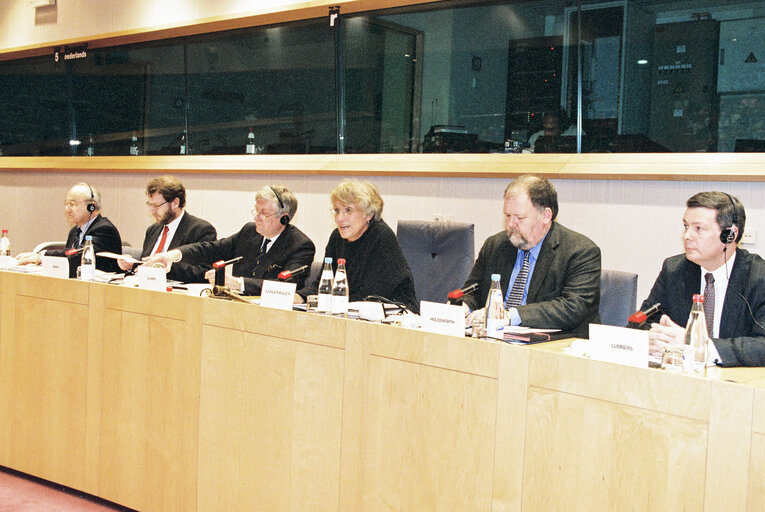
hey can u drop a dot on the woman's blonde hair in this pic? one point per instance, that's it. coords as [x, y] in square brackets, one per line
[362, 194]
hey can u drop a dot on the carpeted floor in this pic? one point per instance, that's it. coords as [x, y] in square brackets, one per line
[19, 493]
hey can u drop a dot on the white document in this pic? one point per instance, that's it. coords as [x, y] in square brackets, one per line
[7, 262]
[619, 345]
[277, 295]
[442, 318]
[151, 278]
[55, 266]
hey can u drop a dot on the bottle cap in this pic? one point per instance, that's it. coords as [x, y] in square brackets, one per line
[88, 237]
[495, 277]
[327, 260]
[341, 261]
[697, 297]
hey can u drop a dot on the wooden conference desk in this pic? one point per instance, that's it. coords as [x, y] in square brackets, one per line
[164, 402]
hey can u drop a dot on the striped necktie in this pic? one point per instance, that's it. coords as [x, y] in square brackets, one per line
[709, 303]
[516, 294]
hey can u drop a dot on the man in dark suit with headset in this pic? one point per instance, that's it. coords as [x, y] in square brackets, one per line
[82, 208]
[166, 199]
[267, 246]
[732, 281]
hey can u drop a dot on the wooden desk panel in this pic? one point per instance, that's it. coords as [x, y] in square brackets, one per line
[270, 417]
[168, 402]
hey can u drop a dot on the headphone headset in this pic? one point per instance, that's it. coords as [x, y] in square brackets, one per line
[727, 235]
[285, 218]
[92, 204]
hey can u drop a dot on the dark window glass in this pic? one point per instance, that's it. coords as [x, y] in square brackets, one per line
[523, 75]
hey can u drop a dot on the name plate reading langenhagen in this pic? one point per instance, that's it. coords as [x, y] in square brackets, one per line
[277, 295]
[619, 345]
[442, 318]
[151, 278]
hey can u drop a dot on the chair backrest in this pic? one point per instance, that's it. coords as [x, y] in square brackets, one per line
[618, 296]
[49, 246]
[316, 267]
[440, 255]
[135, 252]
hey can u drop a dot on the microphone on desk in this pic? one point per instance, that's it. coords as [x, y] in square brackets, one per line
[639, 317]
[288, 274]
[72, 252]
[455, 296]
[220, 270]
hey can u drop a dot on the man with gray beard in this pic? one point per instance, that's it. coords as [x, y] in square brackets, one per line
[550, 275]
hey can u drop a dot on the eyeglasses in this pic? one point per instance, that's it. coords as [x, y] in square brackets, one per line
[70, 203]
[256, 213]
[153, 206]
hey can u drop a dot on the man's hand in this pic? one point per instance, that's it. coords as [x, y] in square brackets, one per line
[666, 332]
[124, 264]
[478, 314]
[163, 259]
[236, 284]
[28, 258]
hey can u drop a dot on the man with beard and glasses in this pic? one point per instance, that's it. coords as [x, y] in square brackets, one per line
[550, 275]
[166, 200]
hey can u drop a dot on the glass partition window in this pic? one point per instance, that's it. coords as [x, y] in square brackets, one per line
[458, 76]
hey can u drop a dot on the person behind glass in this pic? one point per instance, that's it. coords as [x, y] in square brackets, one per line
[553, 121]
[731, 279]
[82, 208]
[166, 199]
[550, 275]
[374, 262]
[267, 246]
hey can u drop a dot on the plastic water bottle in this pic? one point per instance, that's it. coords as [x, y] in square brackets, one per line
[495, 310]
[182, 150]
[325, 288]
[91, 149]
[88, 260]
[340, 290]
[134, 151]
[696, 339]
[250, 147]
[5, 244]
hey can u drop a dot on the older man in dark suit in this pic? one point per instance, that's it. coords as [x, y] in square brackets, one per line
[82, 209]
[166, 199]
[267, 246]
[732, 281]
[550, 275]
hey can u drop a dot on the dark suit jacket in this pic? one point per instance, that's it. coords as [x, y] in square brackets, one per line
[564, 292]
[191, 229]
[105, 238]
[291, 250]
[742, 340]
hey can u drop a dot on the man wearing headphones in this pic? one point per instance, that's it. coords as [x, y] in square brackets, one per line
[267, 246]
[166, 199]
[731, 279]
[82, 208]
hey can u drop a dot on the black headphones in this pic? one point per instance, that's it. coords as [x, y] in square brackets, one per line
[727, 235]
[285, 218]
[92, 204]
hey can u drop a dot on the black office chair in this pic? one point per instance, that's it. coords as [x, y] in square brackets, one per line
[440, 255]
[618, 297]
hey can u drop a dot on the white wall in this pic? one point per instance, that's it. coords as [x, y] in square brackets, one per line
[636, 223]
[22, 25]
